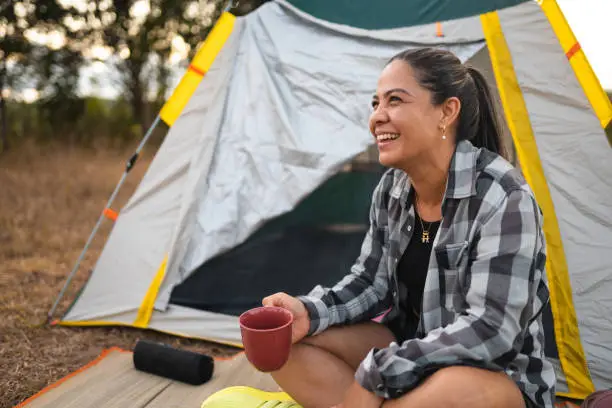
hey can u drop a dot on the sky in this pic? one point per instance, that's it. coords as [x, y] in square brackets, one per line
[590, 20]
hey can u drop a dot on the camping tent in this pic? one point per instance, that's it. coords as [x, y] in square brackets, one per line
[262, 183]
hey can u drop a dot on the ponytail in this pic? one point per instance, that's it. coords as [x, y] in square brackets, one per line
[487, 131]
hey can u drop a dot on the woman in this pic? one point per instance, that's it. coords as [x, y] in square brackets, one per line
[455, 251]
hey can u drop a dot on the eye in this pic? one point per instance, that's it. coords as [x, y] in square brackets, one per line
[394, 100]
[374, 104]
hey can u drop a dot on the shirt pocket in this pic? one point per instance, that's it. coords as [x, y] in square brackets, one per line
[450, 257]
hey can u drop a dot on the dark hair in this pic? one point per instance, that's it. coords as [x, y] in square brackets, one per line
[443, 74]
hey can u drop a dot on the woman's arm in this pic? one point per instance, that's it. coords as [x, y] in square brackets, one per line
[364, 292]
[507, 267]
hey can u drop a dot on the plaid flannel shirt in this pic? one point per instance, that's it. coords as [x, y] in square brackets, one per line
[485, 287]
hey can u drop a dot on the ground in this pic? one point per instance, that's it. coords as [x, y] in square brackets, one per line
[50, 200]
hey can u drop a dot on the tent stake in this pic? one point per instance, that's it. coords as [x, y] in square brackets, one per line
[128, 167]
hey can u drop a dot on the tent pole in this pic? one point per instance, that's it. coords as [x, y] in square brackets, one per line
[128, 167]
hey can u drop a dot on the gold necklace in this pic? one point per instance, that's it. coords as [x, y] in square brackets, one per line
[424, 232]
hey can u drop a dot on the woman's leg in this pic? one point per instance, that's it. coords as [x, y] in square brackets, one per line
[322, 367]
[463, 387]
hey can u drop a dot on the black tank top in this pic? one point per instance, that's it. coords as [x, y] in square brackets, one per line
[412, 269]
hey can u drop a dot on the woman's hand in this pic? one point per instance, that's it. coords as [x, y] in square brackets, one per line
[301, 320]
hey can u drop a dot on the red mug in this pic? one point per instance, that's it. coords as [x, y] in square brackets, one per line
[266, 336]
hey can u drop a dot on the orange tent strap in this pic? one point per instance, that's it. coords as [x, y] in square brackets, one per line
[572, 51]
[439, 32]
[197, 70]
[110, 214]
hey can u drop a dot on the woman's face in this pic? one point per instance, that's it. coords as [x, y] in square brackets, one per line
[404, 121]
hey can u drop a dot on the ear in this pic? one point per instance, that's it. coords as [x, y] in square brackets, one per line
[450, 111]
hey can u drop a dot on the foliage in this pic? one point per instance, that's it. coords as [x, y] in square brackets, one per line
[52, 68]
[99, 123]
[142, 37]
[13, 51]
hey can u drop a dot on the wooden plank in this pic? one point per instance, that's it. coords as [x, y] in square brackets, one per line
[111, 383]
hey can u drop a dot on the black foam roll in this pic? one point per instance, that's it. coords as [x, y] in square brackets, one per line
[165, 361]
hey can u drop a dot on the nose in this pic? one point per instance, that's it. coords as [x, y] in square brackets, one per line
[378, 117]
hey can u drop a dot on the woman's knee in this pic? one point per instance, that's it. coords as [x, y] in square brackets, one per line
[463, 386]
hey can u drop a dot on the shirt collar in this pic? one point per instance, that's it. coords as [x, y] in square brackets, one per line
[461, 182]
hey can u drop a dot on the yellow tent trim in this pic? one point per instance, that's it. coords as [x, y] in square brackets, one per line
[148, 303]
[99, 323]
[200, 64]
[91, 323]
[569, 346]
[584, 72]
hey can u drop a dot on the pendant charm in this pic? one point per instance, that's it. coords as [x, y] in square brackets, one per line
[425, 237]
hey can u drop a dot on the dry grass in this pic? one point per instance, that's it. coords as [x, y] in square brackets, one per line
[50, 199]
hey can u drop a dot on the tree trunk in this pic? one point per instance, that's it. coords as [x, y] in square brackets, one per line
[138, 107]
[3, 120]
[4, 144]
[137, 94]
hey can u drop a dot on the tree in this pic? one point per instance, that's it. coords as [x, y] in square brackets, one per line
[57, 66]
[13, 62]
[141, 35]
[57, 74]
[51, 67]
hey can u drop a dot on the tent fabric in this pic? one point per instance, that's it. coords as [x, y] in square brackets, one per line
[375, 15]
[573, 148]
[569, 348]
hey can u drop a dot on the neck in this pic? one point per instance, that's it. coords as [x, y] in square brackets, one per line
[428, 176]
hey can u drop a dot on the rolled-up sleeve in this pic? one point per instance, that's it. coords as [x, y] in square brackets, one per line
[506, 260]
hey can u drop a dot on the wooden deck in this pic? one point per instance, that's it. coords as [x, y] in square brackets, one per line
[113, 382]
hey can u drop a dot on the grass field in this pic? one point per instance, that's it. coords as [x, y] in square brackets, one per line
[50, 199]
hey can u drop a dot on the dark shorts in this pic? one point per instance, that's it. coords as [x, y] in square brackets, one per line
[401, 332]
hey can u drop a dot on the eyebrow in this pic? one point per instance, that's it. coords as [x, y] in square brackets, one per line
[390, 91]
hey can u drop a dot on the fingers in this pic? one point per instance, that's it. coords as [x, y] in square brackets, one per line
[278, 299]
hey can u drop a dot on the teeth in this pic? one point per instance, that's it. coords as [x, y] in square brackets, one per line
[387, 136]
